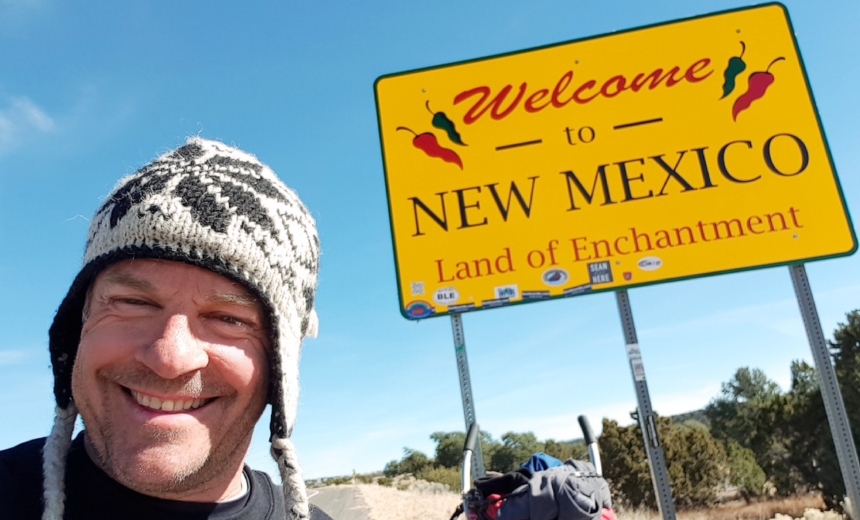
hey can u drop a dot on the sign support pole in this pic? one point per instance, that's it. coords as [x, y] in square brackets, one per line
[846, 451]
[645, 414]
[466, 389]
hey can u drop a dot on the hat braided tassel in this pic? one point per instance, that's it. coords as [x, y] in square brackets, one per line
[295, 493]
[54, 461]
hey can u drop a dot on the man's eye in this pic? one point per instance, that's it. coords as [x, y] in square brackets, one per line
[233, 321]
[131, 301]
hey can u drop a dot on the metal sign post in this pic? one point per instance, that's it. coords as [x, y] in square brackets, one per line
[846, 451]
[647, 421]
[514, 111]
[466, 389]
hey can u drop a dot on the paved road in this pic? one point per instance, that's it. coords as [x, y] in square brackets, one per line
[338, 503]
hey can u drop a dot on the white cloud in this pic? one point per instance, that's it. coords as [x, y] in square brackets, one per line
[11, 357]
[32, 114]
[18, 16]
[761, 314]
[565, 426]
[20, 119]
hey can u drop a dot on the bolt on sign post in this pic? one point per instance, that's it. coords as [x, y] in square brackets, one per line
[834, 406]
[657, 154]
[466, 390]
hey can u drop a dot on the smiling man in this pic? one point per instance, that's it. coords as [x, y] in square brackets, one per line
[185, 321]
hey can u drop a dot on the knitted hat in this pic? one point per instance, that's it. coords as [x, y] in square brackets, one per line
[213, 206]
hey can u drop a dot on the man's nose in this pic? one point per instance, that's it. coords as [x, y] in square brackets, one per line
[176, 351]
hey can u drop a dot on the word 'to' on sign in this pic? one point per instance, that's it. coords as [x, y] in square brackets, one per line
[661, 153]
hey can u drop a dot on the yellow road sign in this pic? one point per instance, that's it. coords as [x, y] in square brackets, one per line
[660, 153]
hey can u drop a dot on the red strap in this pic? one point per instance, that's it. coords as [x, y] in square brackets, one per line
[495, 502]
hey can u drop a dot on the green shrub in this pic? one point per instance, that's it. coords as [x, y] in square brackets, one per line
[696, 463]
[744, 471]
[625, 465]
[516, 448]
[565, 450]
[447, 476]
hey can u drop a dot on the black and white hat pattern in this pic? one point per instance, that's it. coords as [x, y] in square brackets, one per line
[216, 207]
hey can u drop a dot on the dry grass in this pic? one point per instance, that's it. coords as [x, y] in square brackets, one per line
[387, 503]
[394, 504]
[802, 507]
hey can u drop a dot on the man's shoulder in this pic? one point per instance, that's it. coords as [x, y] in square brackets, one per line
[265, 494]
[263, 481]
[21, 479]
[25, 457]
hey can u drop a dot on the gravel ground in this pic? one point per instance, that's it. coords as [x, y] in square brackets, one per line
[387, 503]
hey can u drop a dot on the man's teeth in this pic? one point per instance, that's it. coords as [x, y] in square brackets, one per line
[167, 405]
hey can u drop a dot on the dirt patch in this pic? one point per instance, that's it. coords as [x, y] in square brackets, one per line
[387, 503]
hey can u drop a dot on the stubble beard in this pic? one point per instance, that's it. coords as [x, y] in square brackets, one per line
[202, 467]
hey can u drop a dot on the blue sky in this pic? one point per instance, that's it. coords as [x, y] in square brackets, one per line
[90, 92]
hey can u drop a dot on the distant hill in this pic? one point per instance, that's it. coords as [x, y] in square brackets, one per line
[698, 416]
[694, 418]
[574, 442]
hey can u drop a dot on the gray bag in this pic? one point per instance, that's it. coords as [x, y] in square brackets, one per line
[572, 491]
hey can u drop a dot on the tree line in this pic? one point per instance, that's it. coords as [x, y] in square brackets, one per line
[753, 438]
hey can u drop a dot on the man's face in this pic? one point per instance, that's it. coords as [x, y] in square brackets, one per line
[171, 377]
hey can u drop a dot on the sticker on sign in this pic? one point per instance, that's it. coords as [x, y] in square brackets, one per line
[510, 292]
[634, 355]
[650, 263]
[446, 296]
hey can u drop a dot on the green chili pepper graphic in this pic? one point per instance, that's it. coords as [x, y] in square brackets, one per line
[441, 121]
[759, 82]
[736, 66]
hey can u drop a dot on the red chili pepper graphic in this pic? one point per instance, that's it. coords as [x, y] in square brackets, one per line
[428, 144]
[758, 83]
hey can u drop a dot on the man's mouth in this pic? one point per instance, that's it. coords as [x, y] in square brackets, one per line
[167, 405]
